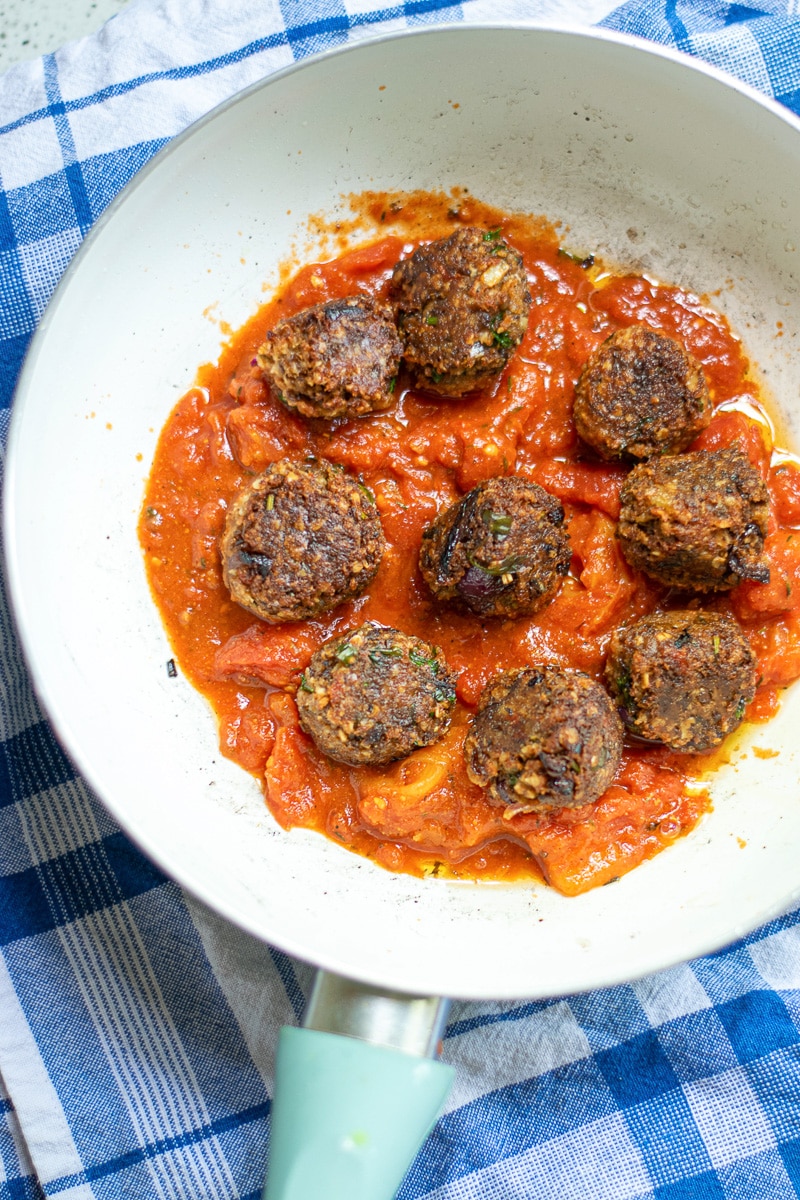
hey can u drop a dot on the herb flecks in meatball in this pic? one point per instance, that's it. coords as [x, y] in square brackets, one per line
[373, 695]
[338, 359]
[640, 394]
[500, 551]
[299, 540]
[542, 738]
[462, 309]
[682, 678]
[696, 521]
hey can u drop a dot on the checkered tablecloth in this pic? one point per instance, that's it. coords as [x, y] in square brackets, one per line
[137, 1029]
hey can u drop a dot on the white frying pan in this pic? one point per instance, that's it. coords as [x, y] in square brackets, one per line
[649, 160]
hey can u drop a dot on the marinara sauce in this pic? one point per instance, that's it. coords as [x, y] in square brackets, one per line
[422, 815]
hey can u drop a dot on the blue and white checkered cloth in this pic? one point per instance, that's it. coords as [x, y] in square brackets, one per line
[137, 1029]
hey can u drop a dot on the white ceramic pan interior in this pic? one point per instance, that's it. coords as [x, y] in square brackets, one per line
[656, 164]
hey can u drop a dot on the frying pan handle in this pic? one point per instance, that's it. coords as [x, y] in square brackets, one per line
[356, 1092]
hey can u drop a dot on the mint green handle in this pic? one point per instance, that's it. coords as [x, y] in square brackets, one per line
[348, 1117]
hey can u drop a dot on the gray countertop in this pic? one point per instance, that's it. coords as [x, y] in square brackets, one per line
[29, 28]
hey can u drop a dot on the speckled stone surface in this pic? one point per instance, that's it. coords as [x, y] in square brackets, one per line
[29, 28]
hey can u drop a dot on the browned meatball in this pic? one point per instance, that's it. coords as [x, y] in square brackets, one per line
[682, 678]
[641, 394]
[544, 737]
[338, 359]
[500, 551]
[375, 694]
[300, 539]
[462, 309]
[696, 521]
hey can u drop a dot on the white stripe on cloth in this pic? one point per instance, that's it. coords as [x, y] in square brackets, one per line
[31, 151]
[573, 13]
[36, 1101]
[44, 262]
[671, 994]
[67, 817]
[18, 1159]
[19, 708]
[246, 973]
[731, 1121]
[146, 1057]
[594, 1162]
[59, 806]
[777, 959]
[495, 1056]
[144, 1051]
[736, 52]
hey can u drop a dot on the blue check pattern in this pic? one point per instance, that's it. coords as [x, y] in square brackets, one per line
[137, 1028]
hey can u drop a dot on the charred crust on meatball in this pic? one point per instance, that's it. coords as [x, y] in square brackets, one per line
[640, 394]
[682, 678]
[338, 359]
[462, 309]
[375, 694]
[299, 540]
[499, 551]
[696, 521]
[543, 737]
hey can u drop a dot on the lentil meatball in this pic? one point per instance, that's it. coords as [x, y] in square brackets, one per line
[300, 539]
[682, 678]
[500, 551]
[462, 309]
[375, 694]
[696, 521]
[641, 394]
[333, 360]
[544, 737]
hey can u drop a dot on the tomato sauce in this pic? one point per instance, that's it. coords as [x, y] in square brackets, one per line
[422, 815]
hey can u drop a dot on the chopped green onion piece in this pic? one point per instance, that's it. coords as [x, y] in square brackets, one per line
[499, 522]
[507, 567]
[305, 686]
[270, 502]
[431, 319]
[580, 260]
[376, 656]
[420, 660]
[346, 653]
[623, 686]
